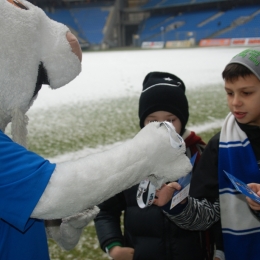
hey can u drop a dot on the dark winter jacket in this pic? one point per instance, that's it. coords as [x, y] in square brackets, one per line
[152, 235]
[204, 183]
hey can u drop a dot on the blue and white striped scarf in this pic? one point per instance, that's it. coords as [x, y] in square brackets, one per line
[240, 227]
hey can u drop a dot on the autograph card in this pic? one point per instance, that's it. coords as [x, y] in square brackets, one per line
[180, 195]
[243, 188]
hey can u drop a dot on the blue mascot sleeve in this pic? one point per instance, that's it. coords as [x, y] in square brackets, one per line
[24, 176]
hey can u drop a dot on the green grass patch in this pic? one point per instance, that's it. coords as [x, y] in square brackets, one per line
[206, 104]
[76, 126]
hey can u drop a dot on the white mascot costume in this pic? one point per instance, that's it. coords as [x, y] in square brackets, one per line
[36, 50]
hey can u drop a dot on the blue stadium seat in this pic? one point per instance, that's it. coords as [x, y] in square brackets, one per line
[91, 22]
[63, 16]
[199, 25]
[175, 28]
[248, 29]
[88, 22]
[151, 4]
[174, 2]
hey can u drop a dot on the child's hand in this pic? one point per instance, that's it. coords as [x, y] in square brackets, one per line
[164, 195]
[122, 253]
[256, 188]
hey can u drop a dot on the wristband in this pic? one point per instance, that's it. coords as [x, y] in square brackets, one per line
[220, 254]
[143, 186]
[107, 248]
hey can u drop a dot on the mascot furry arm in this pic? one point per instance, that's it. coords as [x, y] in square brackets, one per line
[35, 50]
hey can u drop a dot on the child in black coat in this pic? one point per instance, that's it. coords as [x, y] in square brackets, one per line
[148, 233]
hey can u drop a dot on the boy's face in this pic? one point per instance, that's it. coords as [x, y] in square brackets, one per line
[161, 116]
[243, 97]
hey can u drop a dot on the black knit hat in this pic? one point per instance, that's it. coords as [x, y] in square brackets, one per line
[163, 91]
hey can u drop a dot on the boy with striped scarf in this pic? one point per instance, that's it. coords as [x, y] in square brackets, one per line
[236, 150]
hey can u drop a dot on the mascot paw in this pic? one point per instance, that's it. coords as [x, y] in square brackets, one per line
[67, 232]
[163, 147]
[81, 219]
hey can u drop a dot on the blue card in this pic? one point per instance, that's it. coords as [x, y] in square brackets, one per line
[243, 188]
[184, 181]
[180, 195]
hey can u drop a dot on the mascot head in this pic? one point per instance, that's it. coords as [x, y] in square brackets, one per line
[35, 50]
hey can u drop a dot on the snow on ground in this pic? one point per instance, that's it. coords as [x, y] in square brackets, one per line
[120, 73]
[113, 74]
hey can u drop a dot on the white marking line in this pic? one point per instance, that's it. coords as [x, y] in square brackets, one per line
[206, 126]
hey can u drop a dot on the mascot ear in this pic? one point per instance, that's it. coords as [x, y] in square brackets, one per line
[61, 64]
[38, 47]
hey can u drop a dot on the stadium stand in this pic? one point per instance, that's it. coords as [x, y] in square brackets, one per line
[151, 4]
[120, 23]
[91, 22]
[86, 22]
[244, 25]
[171, 2]
[213, 23]
[63, 16]
[179, 27]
